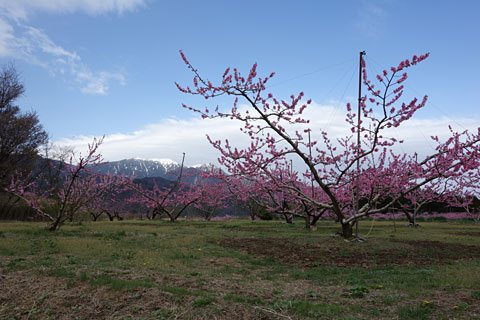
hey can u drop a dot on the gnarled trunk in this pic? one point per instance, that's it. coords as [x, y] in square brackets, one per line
[409, 217]
[288, 218]
[314, 218]
[55, 225]
[412, 218]
[347, 230]
[308, 224]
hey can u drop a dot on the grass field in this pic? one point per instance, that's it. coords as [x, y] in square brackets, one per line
[238, 270]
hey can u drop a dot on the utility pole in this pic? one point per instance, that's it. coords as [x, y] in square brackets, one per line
[307, 213]
[181, 167]
[359, 124]
[310, 153]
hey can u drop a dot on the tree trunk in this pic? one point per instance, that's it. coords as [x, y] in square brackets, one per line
[314, 220]
[308, 223]
[55, 225]
[415, 210]
[173, 217]
[409, 217]
[152, 215]
[288, 218]
[110, 217]
[347, 230]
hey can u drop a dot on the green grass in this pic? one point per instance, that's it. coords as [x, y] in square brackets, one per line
[420, 312]
[307, 309]
[203, 302]
[158, 269]
[120, 284]
[476, 295]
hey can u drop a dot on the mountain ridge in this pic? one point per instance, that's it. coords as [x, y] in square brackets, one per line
[139, 168]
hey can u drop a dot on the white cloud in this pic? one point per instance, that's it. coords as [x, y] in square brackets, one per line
[21, 41]
[167, 139]
[21, 9]
[39, 40]
[34, 46]
[171, 137]
[371, 19]
[98, 83]
[6, 38]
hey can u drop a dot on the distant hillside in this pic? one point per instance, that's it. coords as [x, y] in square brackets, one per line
[140, 168]
[151, 182]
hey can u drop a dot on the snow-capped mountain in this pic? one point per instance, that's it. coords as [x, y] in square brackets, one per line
[204, 166]
[140, 168]
[168, 164]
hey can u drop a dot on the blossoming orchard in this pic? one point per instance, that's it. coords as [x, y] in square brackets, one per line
[346, 179]
[151, 169]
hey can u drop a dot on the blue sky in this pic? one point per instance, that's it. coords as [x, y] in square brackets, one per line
[95, 68]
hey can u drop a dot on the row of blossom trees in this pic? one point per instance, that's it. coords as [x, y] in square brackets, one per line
[352, 179]
[67, 188]
[70, 186]
[342, 178]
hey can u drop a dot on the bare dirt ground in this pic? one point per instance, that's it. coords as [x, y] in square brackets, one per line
[408, 253]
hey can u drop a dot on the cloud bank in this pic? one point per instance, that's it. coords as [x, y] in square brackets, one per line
[21, 9]
[171, 137]
[20, 40]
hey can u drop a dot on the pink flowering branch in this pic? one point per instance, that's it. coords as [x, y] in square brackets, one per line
[66, 188]
[277, 130]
